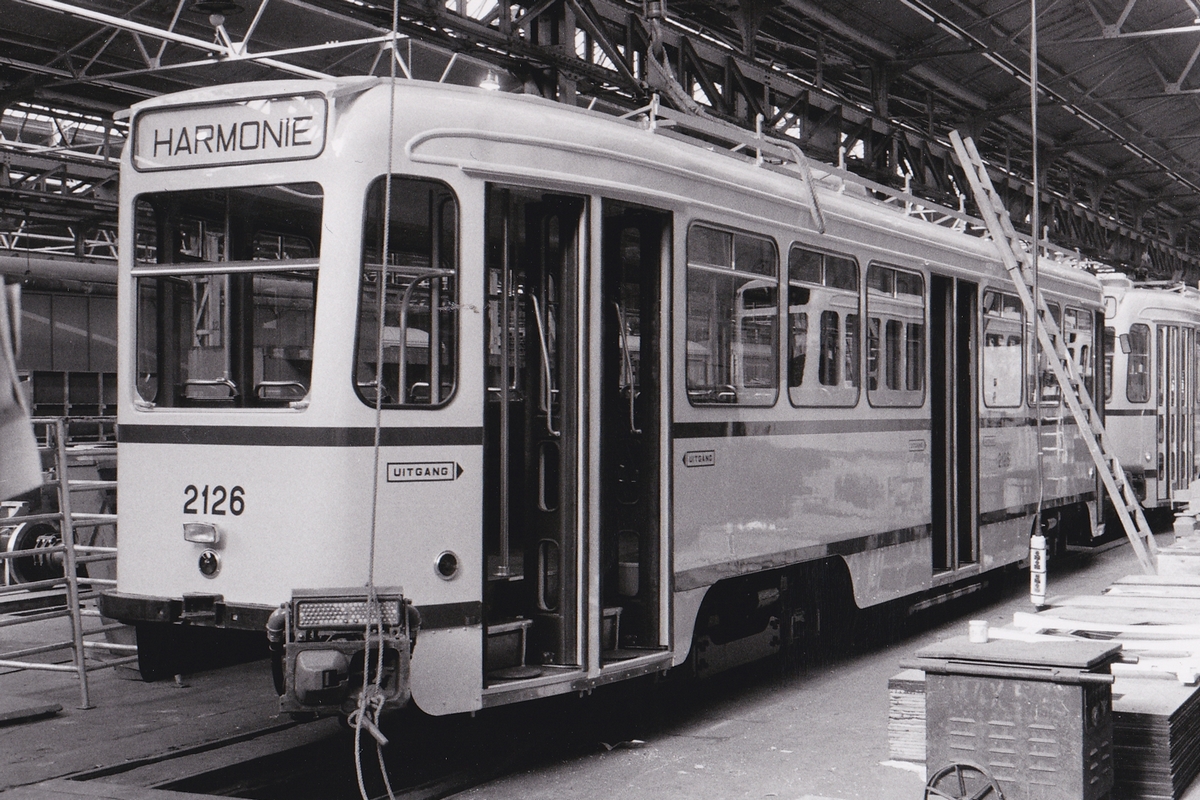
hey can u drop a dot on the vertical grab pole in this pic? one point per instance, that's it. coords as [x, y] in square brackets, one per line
[69, 564]
[503, 568]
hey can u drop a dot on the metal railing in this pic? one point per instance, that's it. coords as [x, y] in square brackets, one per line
[59, 544]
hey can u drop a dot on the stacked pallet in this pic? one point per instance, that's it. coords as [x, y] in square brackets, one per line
[1156, 738]
[906, 716]
[1156, 701]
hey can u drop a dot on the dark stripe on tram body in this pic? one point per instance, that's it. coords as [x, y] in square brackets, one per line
[731, 429]
[876, 541]
[1129, 412]
[274, 436]
[1027, 510]
[451, 615]
[1022, 422]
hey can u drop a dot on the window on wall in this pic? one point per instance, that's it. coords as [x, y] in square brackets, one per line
[823, 321]
[732, 318]
[895, 337]
[420, 320]
[1003, 349]
[1041, 376]
[1137, 364]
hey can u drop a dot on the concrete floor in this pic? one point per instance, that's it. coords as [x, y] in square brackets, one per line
[816, 735]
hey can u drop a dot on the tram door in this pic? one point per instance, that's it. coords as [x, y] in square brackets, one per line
[954, 422]
[535, 248]
[1175, 399]
[635, 242]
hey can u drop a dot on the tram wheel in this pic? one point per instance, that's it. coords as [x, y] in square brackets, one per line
[158, 647]
[962, 782]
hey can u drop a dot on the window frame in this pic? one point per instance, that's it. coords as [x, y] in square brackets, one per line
[1149, 338]
[225, 254]
[1047, 378]
[453, 302]
[1020, 329]
[733, 325]
[847, 390]
[881, 396]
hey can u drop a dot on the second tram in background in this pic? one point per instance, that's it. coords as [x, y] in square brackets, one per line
[1150, 366]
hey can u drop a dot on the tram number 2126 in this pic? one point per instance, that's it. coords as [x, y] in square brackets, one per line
[214, 500]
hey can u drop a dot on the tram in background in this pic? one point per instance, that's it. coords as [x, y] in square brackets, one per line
[643, 403]
[1150, 368]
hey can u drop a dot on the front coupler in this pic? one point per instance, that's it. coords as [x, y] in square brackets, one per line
[320, 649]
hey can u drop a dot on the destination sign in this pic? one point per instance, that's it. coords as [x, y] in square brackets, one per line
[245, 132]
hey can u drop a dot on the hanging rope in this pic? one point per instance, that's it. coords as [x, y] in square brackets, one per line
[1037, 541]
[371, 698]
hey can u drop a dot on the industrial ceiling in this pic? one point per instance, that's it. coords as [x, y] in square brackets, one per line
[873, 84]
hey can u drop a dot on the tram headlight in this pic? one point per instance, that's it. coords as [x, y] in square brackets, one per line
[201, 533]
[342, 613]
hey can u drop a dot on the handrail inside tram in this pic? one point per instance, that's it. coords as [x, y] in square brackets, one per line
[625, 356]
[207, 267]
[548, 383]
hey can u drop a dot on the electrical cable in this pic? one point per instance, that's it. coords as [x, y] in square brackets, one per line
[371, 698]
[1035, 225]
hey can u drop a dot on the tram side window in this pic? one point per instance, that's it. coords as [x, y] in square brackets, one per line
[823, 288]
[1078, 335]
[1136, 345]
[1110, 346]
[1040, 373]
[732, 318]
[226, 295]
[1003, 350]
[420, 317]
[895, 337]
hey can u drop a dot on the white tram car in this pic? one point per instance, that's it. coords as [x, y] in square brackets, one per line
[635, 405]
[1150, 367]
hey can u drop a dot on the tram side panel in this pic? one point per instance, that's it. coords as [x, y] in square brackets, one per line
[764, 489]
[745, 504]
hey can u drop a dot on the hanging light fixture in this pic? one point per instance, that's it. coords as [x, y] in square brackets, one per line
[491, 83]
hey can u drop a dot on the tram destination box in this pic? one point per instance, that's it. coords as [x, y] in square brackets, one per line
[1034, 717]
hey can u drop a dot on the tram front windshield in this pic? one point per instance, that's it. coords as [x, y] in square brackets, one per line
[226, 295]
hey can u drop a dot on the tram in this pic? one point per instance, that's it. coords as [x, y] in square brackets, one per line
[576, 397]
[1150, 385]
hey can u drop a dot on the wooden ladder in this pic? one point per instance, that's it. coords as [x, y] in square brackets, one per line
[1015, 256]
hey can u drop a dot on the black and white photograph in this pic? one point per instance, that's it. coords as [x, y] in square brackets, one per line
[412, 399]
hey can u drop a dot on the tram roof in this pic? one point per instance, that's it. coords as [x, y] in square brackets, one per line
[857, 204]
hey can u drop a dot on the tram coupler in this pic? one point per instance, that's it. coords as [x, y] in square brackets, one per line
[320, 649]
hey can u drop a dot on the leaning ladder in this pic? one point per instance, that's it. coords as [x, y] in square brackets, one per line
[1014, 254]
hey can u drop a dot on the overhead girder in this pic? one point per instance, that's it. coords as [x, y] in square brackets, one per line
[747, 62]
